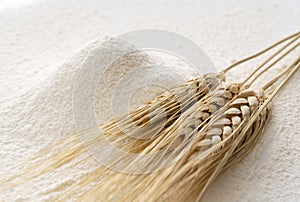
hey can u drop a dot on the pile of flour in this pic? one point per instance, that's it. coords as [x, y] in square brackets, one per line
[44, 114]
[42, 51]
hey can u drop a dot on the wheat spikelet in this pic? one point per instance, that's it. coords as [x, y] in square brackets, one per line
[205, 148]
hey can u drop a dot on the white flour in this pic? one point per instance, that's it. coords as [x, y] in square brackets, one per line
[39, 58]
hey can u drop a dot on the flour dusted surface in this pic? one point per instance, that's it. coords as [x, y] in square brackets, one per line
[38, 41]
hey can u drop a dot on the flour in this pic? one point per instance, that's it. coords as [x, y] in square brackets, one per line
[42, 50]
[45, 114]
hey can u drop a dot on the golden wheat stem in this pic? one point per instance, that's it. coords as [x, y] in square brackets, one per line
[268, 84]
[273, 63]
[259, 53]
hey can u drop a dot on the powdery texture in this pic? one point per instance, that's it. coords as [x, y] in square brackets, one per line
[48, 109]
[38, 66]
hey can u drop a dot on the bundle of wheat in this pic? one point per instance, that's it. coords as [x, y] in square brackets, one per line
[200, 128]
[224, 140]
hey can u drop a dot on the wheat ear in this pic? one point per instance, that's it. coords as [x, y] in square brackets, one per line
[167, 106]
